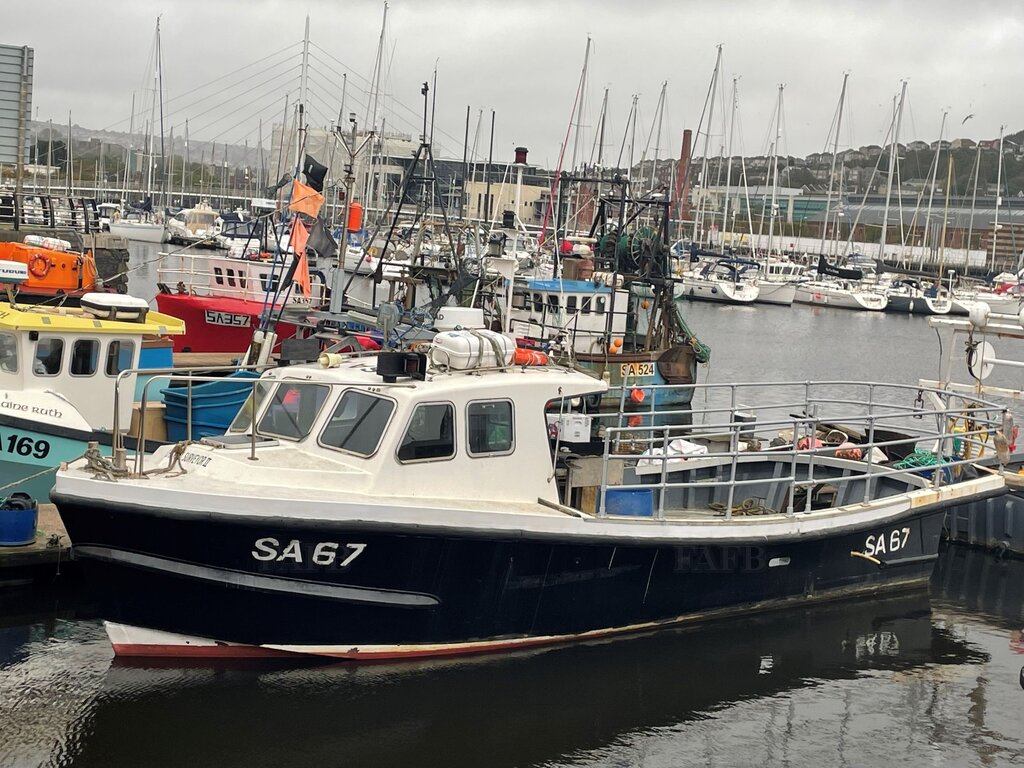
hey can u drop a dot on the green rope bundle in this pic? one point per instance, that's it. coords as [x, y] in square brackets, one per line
[919, 458]
[701, 350]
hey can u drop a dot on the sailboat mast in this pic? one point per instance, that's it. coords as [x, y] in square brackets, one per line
[149, 129]
[974, 200]
[371, 117]
[303, 86]
[188, 161]
[835, 153]
[160, 96]
[999, 193]
[579, 106]
[775, 170]
[597, 150]
[893, 159]
[728, 151]
[945, 219]
[699, 218]
[931, 188]
[131, 149]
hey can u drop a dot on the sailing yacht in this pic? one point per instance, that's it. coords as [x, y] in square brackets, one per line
[146, 225]
[841, 288]
[777, 281]
[908, 296]
[727, 281]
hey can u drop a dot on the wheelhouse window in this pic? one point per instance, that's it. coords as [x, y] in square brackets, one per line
[85, 355]
[49, 357]
[489, 428]
[293, 408]
[358, 423]
[430, 434]
[8, 353]
[243, 418]
[120, 354]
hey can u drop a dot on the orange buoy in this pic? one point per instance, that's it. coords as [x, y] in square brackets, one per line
[636, 395]
[39, 265]
[355, 216]
[524, 356]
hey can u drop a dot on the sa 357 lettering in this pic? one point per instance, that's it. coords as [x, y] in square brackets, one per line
[325, 553]
[882, 543]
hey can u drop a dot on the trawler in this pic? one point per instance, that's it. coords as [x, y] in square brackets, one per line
[451, 500]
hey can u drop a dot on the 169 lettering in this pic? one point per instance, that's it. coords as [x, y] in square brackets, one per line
[25, 446]
[324, 553]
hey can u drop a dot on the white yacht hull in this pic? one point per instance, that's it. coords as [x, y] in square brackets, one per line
[776, 293]
[144, 232]
[720, 291]
[998, 304]
[840, 298]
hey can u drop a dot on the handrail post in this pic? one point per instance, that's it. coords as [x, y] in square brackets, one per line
[871, 459]
[140, 439]
[734, 448]
[812, 442]
[604, 473]
[664, 472]
[252, 424]
[188, 408]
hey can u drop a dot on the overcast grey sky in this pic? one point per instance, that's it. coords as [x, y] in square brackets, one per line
[523, 58]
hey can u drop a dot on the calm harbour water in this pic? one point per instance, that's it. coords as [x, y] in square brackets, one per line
[911, 680]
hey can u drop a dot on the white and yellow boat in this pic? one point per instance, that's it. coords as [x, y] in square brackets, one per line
[58, 370]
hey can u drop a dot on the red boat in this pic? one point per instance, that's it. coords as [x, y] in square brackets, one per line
[216, 323]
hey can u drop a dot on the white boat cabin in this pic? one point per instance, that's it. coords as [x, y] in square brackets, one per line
[465, 434]
[579, 309]
[248, 279]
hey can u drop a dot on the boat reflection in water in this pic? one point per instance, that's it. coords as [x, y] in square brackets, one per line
[518, 709]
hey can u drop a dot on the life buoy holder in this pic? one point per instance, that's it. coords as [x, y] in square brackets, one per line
[39, 265]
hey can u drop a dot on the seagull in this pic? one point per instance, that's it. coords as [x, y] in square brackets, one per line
[967, 118]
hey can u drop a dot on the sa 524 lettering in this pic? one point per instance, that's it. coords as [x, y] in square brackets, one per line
[325, 553]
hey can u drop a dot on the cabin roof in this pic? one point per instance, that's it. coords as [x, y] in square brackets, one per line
[362, 372]
[76, 320]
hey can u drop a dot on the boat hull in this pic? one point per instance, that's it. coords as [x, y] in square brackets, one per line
[776, 293]
[719, 291]
[839, 299]
[177, 582]
[918, 305]
[216, 323]
[145, 233]
[48, 446]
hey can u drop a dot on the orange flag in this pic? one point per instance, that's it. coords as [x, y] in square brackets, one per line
[305, 200]
[300, 235]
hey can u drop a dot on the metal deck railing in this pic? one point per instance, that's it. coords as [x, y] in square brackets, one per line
[891, 420]
[786, 435]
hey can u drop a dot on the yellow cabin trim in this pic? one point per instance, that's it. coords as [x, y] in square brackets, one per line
[76, 320]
